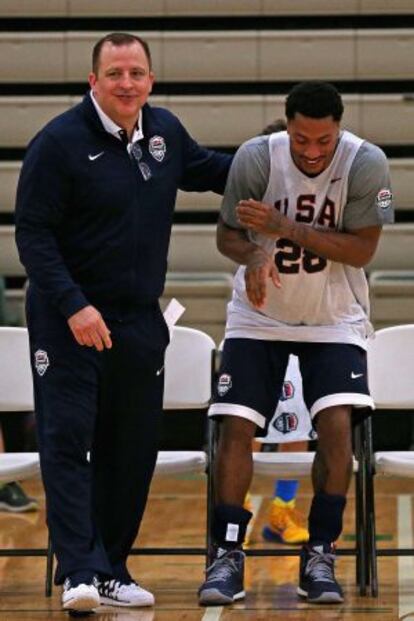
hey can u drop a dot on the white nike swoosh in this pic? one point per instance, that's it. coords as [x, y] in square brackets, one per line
[160, 371]
[356, 375]
[95, 157]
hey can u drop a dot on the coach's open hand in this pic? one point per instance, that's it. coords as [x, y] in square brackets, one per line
[89, 328]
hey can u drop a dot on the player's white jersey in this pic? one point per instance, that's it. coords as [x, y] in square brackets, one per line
[319, 300]
[292, 421]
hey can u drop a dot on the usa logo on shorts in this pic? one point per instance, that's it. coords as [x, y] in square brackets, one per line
[41, 361]
[286, 422]
[288, 391]
[224, 384]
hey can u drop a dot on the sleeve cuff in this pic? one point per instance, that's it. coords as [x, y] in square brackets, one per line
[72, 302]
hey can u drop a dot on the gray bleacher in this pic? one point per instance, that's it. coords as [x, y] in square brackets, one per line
[156, 8]
[357, 55]
[402, 172]
[383, 119]
[201, 278]
[221, 55]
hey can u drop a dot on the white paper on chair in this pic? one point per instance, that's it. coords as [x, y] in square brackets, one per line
[173, 312]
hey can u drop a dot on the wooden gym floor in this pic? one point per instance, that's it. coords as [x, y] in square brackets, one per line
[175, 517]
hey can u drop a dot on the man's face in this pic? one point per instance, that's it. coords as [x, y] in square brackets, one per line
[312, 142]
[123, 82]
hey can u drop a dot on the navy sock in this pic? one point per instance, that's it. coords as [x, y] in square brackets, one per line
[229, 525]
[325, 517]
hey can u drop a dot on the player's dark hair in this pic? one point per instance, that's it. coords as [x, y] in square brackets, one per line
[315, 99]
[118, 39]
[278, 125]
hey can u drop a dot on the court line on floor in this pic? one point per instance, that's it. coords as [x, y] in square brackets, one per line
[212, 613]
[405, 563]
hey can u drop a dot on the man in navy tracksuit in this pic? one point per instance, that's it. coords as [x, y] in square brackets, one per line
[93, 218]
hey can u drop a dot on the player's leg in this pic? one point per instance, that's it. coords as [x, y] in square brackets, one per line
[246, 395]
[331, 388]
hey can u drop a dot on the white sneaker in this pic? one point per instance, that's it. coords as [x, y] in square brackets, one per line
[83, 597]
[117, 593]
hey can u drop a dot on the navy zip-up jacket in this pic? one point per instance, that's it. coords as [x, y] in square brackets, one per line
[92, 230]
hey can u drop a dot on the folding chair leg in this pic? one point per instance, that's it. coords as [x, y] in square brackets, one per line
[49, 568]
[360, 530]
[360, 522]
[370, 509]
[212, 442]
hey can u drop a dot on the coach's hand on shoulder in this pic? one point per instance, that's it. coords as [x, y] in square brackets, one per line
[259, 268]
[89, 328]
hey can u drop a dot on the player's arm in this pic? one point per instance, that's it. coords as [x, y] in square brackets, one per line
[369, 206]
[248, 177]
[355, 248]
[260, 266]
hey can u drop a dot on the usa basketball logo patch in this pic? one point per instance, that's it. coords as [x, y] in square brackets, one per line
[224, 384]
[286, 423]
[384, 198]
[157, 148]
[41, 362]
[288, 391]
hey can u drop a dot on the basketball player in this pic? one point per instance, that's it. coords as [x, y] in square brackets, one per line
[302, 215]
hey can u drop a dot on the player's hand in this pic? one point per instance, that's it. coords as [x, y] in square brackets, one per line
[89, 328]
[260, 217]
[259, 268]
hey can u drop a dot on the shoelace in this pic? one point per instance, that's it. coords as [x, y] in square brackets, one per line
[221, 569]
[111, 588]
[320, 566]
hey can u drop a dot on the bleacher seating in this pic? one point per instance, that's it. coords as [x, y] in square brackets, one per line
[392, 297]
[167, 8]
[201, 278]
[231, 118]
[193, 249]
[224, 93]
[402, 173]
[290, 54]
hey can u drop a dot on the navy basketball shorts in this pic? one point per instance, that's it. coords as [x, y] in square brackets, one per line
[252, 372]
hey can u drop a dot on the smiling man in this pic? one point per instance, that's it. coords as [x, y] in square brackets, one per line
[94, 210]
[302, 215]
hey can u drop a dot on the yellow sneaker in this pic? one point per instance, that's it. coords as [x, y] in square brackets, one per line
[248, 503]
[286, 524]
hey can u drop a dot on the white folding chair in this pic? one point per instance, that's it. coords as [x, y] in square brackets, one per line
[391, 382]
[16, 395]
